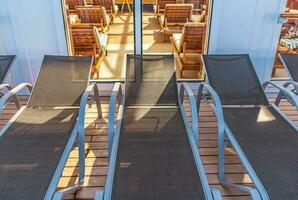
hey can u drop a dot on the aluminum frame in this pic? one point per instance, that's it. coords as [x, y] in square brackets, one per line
[113, 139]
[193, 136]
[78, 132]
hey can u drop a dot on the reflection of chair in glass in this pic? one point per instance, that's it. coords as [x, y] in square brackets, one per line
[95, 15]
[36, 143]
[160, 5]
[110, 6]
[71, 4]
[101, 41]
[174, 18]
[189, 46]
[265, 140]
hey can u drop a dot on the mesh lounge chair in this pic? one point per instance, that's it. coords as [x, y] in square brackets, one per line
[153, 149]
[71, 4]
[36, 142]
[265, 140]
[188, 46]
[6, 62]
[175, 17]
[93, 15]
[290, 62]
[160, 5]
[110, 6]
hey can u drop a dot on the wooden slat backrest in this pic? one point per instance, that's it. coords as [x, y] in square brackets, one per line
[90, 14]
[178, 13]
[73, 3]
[162, 3]
[83, 41]
[193, 37]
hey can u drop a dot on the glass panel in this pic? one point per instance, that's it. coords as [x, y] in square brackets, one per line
[288, 42]
[115, 36]
[179, 27]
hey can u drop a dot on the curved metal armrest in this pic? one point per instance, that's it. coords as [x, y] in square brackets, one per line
[289, 95]
[116, 96]
[217, 107]
[192, 100]
[288, 83]
[216, 194]
[12, 94]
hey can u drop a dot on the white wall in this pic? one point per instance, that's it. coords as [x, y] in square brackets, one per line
[30, 29]
[247, 26]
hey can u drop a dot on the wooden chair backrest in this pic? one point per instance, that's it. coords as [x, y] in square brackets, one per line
[178, 13]
[73, 3]
[90, 14]
[162, 3]
[82, 38]
[193, 37]
[108, 4]
[292, 4]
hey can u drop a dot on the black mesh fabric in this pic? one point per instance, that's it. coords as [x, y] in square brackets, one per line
[151, 80]
[271, 144]
[234, 79]
[30, 150]
[154, 159]
[291, 61]
[5, 63]
[61, 81]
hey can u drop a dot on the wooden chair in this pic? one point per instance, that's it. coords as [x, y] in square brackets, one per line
[160, 5]
[93, 15]
[189, 46]
[110, 6]
[175, 17]
[292, 4]
[82, 40]
[71, 4]
[101, 42]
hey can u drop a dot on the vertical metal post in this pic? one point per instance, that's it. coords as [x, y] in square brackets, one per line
[138, 21]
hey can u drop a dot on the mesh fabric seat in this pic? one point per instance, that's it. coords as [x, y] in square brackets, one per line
[155, 158]
[267, 139]
[32, 146]
[291, 63]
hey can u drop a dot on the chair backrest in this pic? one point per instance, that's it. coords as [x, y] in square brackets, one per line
[73, 3]
[193, 37]
[5, 63]
[292, 4]
[291, 63]
[178, 13]
[82, 38]
[197, 4]
[162, 3]
[234, 79]
[90, 14]
[61, 81]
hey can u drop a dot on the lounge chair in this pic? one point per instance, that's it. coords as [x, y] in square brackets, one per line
[153, 152]
[101, 41]
[265, 140]
[36, 142]
[6, 62]
[189, 46]
[160, 5]
[71, 4]
[110, 6]
[93, 15]
[290, 63]
[175, 17]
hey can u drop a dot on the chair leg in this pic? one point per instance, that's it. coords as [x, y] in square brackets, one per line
[181, 73]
